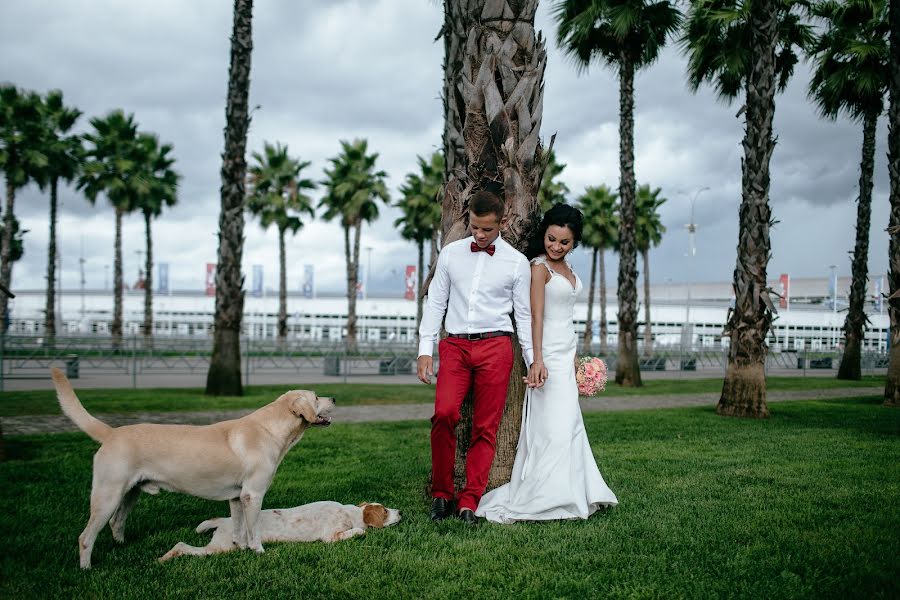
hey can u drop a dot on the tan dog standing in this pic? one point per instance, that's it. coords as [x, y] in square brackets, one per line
[315, 522]
[232, 460]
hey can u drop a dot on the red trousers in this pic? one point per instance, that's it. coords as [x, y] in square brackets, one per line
[487, 364]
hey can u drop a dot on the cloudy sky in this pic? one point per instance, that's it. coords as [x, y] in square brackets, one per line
[330, 70]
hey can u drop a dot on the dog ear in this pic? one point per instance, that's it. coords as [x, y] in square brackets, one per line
[374, 515]
[303, 408]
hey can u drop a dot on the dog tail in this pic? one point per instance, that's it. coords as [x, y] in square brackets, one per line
[68, 401]
[208, 524]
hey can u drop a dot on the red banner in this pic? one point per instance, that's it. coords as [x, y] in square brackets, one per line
[210, 279]
[784, 283]
[410, 282]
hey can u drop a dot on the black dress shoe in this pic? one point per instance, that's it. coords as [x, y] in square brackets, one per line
[467, 516]
[441, 508]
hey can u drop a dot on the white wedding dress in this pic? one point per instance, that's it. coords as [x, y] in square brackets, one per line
[554, 474]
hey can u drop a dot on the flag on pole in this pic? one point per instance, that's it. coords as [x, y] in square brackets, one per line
[308, 281]
[785, 284]
[257, 281]
[879, 293]
[410, 282]
[163, 285]
[210, 279]
[360, 291]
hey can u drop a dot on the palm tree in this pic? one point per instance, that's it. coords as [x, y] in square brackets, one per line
[749, 46]
[851, 74]
[627, 35]
[601, 232]
[497, 94]
[458, 18]
[22, 160]
[552, 190]
[161, 191]
[64, 154]
[224, 376]
[892, 384]
[648, 234]
[352, 189]
[115, 165]
[421, 216]
[276, 197]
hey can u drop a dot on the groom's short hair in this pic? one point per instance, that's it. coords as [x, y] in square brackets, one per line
[485, 203]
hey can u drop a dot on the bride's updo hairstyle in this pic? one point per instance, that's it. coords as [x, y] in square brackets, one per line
[561, 215]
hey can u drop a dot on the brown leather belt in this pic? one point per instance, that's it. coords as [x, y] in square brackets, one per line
[480, 336]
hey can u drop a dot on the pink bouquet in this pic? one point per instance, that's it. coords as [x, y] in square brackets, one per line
[590, 376]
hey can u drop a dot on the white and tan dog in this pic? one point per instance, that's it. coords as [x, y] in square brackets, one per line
[315, 522]
[232, 460]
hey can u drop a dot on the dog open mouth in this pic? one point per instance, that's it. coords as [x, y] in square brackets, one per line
[322, 421]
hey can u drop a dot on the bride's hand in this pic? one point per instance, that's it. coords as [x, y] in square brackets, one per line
[537, 375]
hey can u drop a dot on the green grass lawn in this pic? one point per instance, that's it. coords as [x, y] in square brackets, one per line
[804, 504]
[175, 399]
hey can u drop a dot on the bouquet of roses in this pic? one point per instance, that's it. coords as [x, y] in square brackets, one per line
[590, 376]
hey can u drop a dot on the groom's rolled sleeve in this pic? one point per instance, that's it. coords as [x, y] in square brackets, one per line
[435, 307]
[522, 310]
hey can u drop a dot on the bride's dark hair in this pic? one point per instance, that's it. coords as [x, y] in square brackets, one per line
[561, 215]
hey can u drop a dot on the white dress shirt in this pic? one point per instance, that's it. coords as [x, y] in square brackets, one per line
[477, 292]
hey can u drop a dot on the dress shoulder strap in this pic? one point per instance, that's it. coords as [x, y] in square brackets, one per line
[542, 260]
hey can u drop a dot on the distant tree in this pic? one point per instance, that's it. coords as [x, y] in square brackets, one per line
[851, 75]
[648, 234]
[892, 383]
[601, 232]
[64, 154]
[275, 196]
[160, 191]
[353, 187]
[552, 190]
[627, 35]
[22, 161]
[421, 214]
[224, 375]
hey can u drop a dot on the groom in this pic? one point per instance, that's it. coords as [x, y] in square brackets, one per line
[477, 283]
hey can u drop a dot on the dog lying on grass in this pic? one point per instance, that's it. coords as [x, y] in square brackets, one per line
[232, 460]
[315, 522]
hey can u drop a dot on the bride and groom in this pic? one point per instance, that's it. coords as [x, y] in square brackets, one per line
[478, 282]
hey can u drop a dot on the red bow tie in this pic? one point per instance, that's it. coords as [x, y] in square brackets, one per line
[490, 249]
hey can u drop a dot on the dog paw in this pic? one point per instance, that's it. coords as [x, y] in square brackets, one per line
[257, 547]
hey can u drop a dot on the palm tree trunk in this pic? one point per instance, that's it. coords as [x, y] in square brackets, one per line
[589, 321]
[458, 17]
[628, 372]
[352, 284]
[6, 250]
[419, 277]
[604, 328]
[892, 385]
[224, 377]
[744, 389]
[50, 306]
[116, 328]
[498, 92]
[282, 290]
[648, 333]
[148, 282]
[854, 325]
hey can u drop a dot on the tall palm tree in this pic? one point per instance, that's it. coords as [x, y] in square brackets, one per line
[22, 161]
[224, 376]
[160, 191]
[276, 197]
[115, 166]
[851, 75]
[599, 205]
[353, 187]
[553, 191]
[747, 46]
[648, 234]
[458, 18]
[498, 96]
[626, 35]
[64, 154]
[892, 384]
[421, 215]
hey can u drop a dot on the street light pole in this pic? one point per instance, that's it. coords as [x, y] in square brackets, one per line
[692, 250]
[368, 270]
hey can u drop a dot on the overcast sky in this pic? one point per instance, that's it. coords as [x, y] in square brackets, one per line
[330, 70]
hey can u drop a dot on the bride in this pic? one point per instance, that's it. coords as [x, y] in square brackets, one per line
[554, 474]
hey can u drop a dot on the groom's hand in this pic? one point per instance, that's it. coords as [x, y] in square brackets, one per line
[425, 368]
